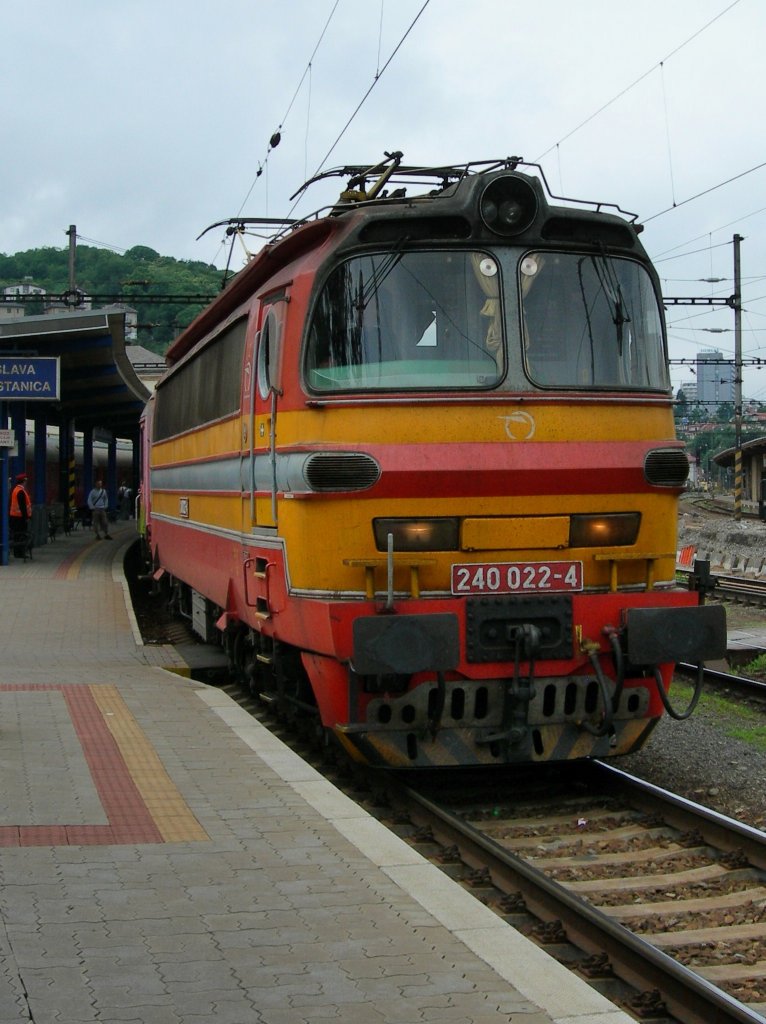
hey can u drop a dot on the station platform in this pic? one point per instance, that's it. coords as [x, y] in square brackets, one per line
[165, 860]
[751, 639]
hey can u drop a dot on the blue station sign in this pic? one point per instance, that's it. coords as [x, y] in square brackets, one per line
[29, 378]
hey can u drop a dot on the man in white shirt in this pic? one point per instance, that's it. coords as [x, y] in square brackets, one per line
[98, 503]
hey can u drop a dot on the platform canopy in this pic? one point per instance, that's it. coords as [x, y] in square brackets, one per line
[755, 448]
[99, 387]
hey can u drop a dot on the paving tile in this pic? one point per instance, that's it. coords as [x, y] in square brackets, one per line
[130, 988]
[61, 992]
[213, 1005]
[199, 975]
[189, 947]
[13, 1002]
[138, 1014]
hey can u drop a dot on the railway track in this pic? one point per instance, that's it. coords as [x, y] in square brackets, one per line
[740, 588]
[739, 686]
[707, 505]
[730, 587]
[620, 880]
[658, 902]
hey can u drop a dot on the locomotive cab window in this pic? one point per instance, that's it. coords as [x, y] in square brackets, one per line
[590, 321]
[408, 320]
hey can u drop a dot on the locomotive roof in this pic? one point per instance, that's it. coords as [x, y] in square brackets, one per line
[437, 180]
[380, 192]
[433, 181]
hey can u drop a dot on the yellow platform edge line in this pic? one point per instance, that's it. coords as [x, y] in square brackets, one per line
[170, 812]
[73, 569]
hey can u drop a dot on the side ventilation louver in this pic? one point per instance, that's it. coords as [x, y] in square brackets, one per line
[666, 467]
[341, 471]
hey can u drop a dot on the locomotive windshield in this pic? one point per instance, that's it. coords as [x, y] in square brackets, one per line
[438, 320]
[406, 320]
[590, 321]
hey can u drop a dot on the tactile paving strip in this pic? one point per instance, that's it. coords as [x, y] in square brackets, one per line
[140, 801]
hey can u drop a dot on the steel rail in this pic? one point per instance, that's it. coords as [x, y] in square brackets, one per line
[718, 829]
[688, 996]
[744, 685]
[726, 587]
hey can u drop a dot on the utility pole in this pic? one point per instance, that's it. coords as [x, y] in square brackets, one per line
[734, 302]
[66, 429]
[72, 232]
[737, 381]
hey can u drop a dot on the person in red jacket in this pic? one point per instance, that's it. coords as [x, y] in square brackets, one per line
[20, 511]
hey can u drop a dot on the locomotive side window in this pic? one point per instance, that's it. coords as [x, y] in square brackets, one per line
[269, 351]
[203, 388]
[590, 321]
[408, 320]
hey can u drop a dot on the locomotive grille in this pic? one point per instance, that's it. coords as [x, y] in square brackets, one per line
[341, 471]
[666, 467]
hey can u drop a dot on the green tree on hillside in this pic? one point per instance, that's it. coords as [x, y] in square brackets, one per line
[132, 278]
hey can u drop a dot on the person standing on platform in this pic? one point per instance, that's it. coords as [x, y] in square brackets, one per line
[20, 512]
[123, 500]
[98, 503]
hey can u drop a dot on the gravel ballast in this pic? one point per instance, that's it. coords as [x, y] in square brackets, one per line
[698, 758]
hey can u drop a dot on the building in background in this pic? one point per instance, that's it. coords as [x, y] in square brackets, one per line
[715, 379]
[13, 298]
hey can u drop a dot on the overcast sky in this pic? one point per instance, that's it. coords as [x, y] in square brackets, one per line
[144, 121]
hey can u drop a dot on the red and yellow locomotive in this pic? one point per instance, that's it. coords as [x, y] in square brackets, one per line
[416, 468]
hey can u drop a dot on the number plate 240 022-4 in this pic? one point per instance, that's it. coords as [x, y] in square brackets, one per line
[516, 577]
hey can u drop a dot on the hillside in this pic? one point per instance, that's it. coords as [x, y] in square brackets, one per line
[133, 278]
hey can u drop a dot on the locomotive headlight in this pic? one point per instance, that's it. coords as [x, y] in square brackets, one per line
[508, 205]
[430, 534]
[613, 529]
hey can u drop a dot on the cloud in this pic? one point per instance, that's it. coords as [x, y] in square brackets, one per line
[144, 123]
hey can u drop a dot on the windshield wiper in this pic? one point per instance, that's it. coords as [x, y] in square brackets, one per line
[610, 284]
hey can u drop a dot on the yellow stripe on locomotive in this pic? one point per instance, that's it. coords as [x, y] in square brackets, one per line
[531, 525]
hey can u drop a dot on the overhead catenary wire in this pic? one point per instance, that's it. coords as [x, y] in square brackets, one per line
[691, 252]
[276, 135]
[716, 330]
[378, 75]
[667, 132]
[637, 81]
[722, 227]
[705, 192]
[674, 204]
[306, 136]
[380, 38]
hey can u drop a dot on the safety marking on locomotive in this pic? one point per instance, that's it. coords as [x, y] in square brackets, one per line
[139, 800]
[457, 746]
